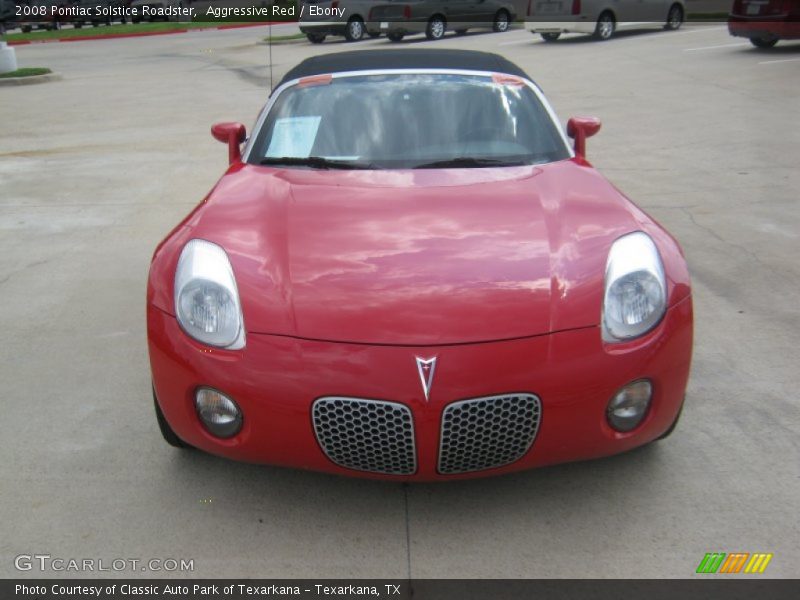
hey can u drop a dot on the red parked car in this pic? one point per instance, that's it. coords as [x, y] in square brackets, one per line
[409, 273]
[765, 22]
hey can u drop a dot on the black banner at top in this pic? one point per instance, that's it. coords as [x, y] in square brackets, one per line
[67, 12]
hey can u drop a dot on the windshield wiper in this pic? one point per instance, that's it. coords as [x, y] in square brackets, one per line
[315, 162]
[469, 162]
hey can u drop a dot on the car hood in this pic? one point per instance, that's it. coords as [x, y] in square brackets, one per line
[416, 257]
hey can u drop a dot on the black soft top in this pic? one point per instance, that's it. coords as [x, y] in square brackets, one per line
[366, 60]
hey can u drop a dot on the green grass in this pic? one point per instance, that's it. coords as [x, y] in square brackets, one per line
[708, 16]
[277, 39]
[88, 30]
[26, 72]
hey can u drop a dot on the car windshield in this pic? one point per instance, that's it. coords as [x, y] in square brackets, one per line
[408, 121]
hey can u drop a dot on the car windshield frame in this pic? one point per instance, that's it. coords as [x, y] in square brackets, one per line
[256, 139]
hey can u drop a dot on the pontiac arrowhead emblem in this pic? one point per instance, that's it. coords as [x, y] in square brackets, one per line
[426, 367]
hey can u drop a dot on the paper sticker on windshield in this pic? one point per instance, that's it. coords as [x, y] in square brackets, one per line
[294, 137]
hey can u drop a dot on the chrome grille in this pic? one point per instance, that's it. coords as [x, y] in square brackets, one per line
[484, 433]
[366, 435]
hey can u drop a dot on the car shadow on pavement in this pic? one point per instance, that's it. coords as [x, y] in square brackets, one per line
[784, 49]
[573, 39]
[450, 35]
[254, 486]
[467, 528]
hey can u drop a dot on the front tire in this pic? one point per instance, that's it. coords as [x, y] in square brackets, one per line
[672, 427]
[354, 32]
[606, 25]
[436, 28]
[395, 37]
[763, 42]
[166, 431]
[501, 21]
[316, 38]
[674, 18]
[550, 37]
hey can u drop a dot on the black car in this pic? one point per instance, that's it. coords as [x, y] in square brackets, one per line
[44, 15]
[101, 11]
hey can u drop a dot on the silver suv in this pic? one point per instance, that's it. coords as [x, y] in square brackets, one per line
[398, 18]
[601, 18]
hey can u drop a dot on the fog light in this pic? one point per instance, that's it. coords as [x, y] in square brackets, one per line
[220, 415]
[629, 405]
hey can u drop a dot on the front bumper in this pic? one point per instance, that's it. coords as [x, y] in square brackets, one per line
[276, 379]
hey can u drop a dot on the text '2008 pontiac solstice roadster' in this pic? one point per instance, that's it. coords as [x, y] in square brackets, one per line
[408, 272]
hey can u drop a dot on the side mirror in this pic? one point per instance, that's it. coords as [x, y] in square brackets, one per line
[580, 128]
[232, 134]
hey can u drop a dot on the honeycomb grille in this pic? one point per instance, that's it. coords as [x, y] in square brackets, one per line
[366, 435]
[489, 432]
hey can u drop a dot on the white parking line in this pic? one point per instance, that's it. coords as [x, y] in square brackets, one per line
[772, 62]
[695, 30]
[713, 47]
[525, 41]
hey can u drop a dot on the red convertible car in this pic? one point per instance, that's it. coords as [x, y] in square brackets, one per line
[407, 272]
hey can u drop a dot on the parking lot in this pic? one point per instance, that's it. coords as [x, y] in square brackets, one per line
[699, 128]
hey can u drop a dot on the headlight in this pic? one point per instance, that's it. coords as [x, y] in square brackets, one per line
[635, 290]
[206, 299]
[219, 413]
[629, 405]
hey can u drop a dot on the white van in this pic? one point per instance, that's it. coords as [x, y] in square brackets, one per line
[601, 18]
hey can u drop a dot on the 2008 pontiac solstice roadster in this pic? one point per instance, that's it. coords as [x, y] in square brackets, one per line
[407, 272]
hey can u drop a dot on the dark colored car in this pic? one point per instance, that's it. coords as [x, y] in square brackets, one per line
[347, 18]
[765, 22]
[44, 15]
[399, 18]
[8, 15]
[152, 10]
[101, 11]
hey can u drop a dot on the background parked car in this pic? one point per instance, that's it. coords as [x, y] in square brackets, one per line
[154, 4]
[399, 18]
[350, 21]
[601, 18]
[47, 21]
[97, 19]
[765, 22]
[8, 15]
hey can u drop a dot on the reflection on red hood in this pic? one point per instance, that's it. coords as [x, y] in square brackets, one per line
[416, 257]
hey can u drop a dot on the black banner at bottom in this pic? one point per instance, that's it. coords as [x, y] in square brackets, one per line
[435, 589]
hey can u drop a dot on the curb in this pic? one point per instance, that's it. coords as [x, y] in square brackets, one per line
[283, 42]
[30, 80]
[111, 36]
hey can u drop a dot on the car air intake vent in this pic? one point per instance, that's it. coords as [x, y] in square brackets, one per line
[489, 432]
[366, 435]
